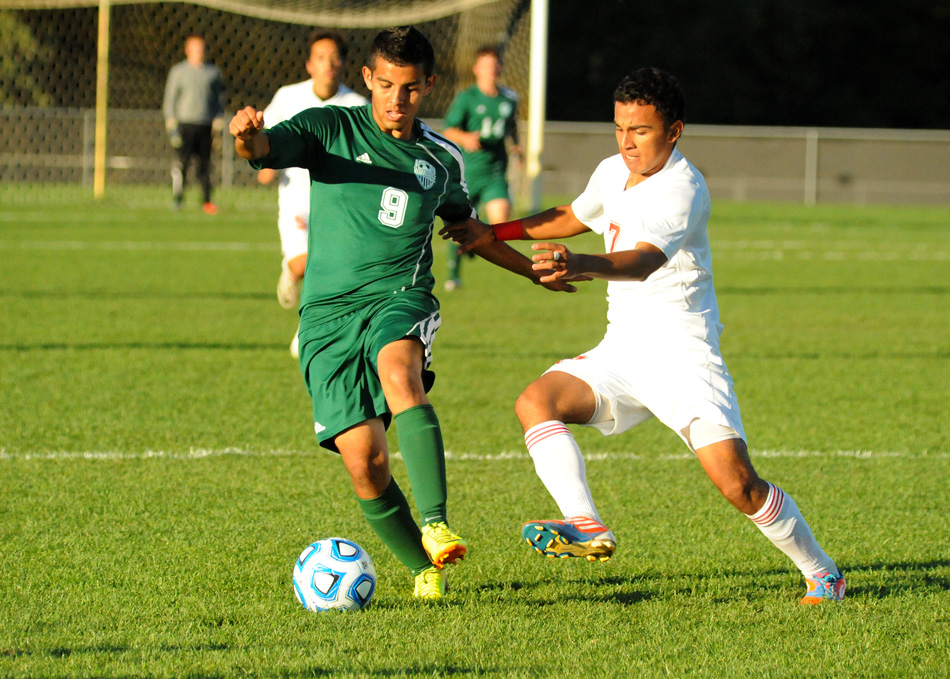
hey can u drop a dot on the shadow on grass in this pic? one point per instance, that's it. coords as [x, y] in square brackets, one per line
[877, 580]
[428, 670]
[104, 295]
[610, 589]
[101, 346]
[834, 290]
[880, 580]
[478, 350]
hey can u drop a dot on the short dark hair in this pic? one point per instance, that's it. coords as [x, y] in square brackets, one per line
[403, 46]
[653, 87]
[493, 50]
[319, 34]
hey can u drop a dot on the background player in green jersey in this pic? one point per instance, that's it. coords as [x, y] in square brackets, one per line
[368, 318]
[480, 120]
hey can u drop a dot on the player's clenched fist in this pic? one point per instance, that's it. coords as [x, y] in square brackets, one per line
[247, 127]
[247, 122]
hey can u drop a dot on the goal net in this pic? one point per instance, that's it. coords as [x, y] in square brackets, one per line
[48, 70]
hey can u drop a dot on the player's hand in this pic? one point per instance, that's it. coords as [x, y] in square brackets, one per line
[267, 175]
[471, 142]
[559, 285]
[559, 263]
[517, 156]
[246, 123]
[469, 234]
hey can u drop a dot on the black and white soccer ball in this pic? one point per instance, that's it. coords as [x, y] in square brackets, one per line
[334, 574]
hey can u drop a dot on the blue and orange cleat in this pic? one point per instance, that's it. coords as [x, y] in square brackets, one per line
[574, 536]
[824, 587]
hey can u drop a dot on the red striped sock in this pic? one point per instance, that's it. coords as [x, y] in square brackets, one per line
[560, 466]
[782, 523]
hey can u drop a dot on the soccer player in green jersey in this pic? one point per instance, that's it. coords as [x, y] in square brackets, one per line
[379, 177]
[480, 120]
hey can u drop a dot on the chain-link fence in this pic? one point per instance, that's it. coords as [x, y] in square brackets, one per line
[49, 69]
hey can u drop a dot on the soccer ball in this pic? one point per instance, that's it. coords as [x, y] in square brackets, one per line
[334, 574]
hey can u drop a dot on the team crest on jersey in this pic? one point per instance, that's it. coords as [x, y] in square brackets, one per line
[425, 173]
[504, 109]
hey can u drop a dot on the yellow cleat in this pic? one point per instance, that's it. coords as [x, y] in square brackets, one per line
[431, 583]
[442, 545]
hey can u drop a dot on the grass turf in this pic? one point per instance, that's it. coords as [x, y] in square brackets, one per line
[159, 473]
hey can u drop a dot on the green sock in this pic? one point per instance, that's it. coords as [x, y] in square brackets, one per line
[454, 260]
[389, 515]
[420, 441]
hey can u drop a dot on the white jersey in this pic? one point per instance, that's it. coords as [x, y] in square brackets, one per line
[294, 193]
[669, 210]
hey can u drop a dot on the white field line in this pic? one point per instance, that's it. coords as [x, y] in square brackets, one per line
[202, 453]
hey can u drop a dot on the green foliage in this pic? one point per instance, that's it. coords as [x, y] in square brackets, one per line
[158, 471]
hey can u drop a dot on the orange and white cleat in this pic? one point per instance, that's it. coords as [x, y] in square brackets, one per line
[824, 587]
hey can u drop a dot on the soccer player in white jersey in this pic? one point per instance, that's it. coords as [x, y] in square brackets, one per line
[326, 61]
[660, 356]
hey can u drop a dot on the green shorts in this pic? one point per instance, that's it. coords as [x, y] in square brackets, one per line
[338, 358]
[488, 186]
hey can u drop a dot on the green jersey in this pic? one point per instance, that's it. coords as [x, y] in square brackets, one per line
[373, 203]
[493, 118]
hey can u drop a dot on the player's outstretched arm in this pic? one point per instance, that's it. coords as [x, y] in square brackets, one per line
[558, 222]
[250, 140]
[508, 258]
[470, 141]
[555, 261]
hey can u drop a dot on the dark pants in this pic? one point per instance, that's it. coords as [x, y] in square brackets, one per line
[195, 141]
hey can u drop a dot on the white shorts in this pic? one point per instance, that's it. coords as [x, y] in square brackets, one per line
[634, 381]
[293, 234]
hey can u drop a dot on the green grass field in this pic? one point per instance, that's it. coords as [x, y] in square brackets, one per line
[159, 474]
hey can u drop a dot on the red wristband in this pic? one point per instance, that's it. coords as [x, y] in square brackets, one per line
[509, 230]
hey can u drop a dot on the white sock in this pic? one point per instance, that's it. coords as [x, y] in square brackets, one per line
[782, 523]
[560, 466]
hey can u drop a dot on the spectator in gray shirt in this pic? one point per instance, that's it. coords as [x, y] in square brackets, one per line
[194, 114]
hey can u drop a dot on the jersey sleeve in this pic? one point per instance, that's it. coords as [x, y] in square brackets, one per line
[457, 205]
[172, 90]
[219, 100]
[457, 112]
[671, 216]
[589, 206]
[300, 141]
[511, 127]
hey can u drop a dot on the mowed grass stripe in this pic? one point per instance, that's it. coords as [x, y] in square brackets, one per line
[459, 456]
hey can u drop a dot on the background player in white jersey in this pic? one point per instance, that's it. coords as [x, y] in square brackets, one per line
[660, 356]
[326, 62]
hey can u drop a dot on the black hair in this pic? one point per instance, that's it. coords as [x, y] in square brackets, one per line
[403, 46]
[319, 34]
[656, 88]
[493, 50]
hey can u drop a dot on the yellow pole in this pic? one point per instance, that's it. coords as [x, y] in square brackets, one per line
[102, 102]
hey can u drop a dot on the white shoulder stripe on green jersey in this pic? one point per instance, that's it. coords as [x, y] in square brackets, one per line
[453, 150]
